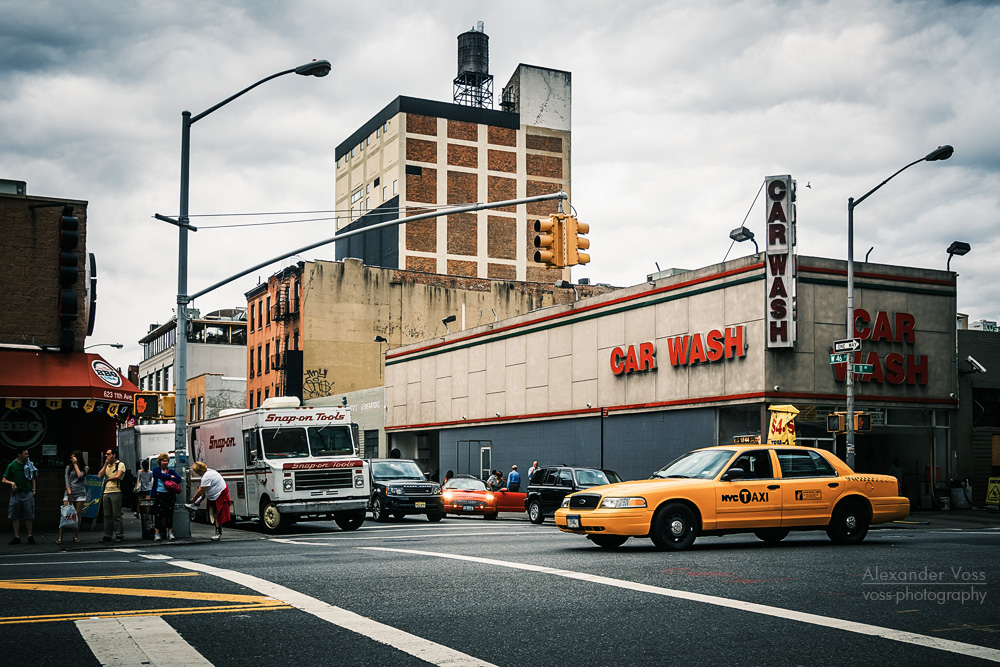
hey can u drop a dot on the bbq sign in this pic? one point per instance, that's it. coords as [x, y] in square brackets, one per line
[780, 263]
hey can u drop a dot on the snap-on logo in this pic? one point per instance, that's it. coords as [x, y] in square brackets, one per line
[219, 443]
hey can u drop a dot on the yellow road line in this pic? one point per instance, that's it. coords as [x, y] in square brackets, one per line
[10, 620]
[112, 577]
[141, 592]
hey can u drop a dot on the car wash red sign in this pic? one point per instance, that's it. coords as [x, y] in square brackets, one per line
[894, 365]
[780, 262]
[716, 345]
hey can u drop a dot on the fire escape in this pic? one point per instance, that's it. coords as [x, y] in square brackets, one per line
[283, 310]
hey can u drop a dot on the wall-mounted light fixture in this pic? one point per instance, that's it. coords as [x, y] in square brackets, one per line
[446, 321]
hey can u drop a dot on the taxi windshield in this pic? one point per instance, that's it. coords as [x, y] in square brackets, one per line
[702, 464]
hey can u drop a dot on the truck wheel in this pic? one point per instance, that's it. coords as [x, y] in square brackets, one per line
[349, 520]
[673, 527]
[535, 512]
[270, 517]
[849, 523]
[378, 510]
[434, 517]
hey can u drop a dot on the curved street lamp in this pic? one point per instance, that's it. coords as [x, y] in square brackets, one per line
[317, 68]
[114, 345]
[940, 153]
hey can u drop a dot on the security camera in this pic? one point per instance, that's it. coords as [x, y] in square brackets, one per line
[975, 365]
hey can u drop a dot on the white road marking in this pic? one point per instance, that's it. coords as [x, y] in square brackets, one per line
[143, 640]
[960, 648]
[68, 562]
[424, 649]
[333, 539]
[156, 557]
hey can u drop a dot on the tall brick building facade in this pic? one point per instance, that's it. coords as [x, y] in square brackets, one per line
[416, 155]
[274, 346]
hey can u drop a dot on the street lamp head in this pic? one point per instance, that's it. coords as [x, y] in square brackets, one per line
[381, 339]
[959, 248]
[741, 234]
[940, 153]
[316, 68]
[449, 319]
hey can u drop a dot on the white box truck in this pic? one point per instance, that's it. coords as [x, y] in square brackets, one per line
[143, 441]
[284, 463]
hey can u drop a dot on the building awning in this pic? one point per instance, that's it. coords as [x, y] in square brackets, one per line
[37, 374]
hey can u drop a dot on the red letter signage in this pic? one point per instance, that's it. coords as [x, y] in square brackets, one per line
[780, 264]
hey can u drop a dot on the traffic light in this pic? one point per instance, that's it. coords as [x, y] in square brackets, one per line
[167, 403]
[835, 423]
[862, 422]
[147, 405]
[550, 241]
[69, 274]
[575, 243]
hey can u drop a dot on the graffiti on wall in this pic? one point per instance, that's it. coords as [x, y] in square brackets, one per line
[316, 385]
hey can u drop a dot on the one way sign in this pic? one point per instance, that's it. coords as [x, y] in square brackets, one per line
[847, 345]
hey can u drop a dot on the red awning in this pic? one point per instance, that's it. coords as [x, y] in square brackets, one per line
[77, 375]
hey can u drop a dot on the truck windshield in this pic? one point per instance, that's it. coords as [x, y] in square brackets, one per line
[284, 443]
[330, 441]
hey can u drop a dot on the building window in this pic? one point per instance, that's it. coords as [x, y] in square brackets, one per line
[259, 364]
[267, 357]
[251, 364]
[267, 392]
[251, 317]
[268, 310]
[393, 187]
[368, 203]
[258, 398]
[358, 194]
[260, 316]
[201, 407]
[159, 376]
[250, 400]
[385, 128]
[378, 132]
[191, 412]
[384, 190]
[296, 340]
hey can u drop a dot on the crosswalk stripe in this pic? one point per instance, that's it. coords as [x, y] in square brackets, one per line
[144, 640]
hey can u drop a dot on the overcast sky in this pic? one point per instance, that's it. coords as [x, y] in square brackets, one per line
[680, 109]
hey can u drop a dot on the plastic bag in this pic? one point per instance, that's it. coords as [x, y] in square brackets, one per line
[68, 517]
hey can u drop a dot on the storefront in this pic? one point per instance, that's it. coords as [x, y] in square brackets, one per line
[53, 403]
[632, 379]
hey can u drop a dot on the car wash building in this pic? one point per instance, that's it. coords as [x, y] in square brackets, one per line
[632, 379]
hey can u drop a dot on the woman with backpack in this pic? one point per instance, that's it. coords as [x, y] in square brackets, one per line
[166, 484]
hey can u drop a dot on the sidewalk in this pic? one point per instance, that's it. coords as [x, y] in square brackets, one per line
[90, 539]
[970, 519]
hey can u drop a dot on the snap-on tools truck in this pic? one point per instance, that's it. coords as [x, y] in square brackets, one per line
[284, 463]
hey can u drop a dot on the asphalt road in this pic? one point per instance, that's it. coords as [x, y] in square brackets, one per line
[471, 592]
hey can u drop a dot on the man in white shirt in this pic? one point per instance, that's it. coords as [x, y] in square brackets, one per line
[214, 489]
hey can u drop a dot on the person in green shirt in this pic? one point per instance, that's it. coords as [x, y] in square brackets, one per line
[22, 496]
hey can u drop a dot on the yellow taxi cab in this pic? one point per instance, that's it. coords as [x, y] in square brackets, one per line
[767, 490]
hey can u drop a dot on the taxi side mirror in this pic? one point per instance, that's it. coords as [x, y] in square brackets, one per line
[733, 473]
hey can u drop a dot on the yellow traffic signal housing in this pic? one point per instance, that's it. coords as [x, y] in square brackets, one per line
[575, 242]
[167, 405]
[862, 422]
[147, 405]
[836, 422]
[550, 241]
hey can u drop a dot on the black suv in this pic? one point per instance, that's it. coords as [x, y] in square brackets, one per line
[548, 486]
[400, 488]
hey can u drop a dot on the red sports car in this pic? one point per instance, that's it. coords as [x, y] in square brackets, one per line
[466, 494]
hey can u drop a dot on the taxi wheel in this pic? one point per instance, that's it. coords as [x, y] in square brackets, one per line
[535, 512]
[849, 524]
[378, 510]
[673, 527]
[771, 535]
[609, 541]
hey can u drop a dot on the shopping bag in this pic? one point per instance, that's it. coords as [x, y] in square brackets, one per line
[68, 518]
[171, 486]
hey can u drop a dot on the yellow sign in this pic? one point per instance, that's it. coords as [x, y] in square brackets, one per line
[782, 428]
[993, 493]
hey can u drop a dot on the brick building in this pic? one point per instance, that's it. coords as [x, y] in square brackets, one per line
[54, 397]
[416, 154]
[274, 352]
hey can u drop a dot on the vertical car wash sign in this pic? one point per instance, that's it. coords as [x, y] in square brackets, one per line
[780, 263]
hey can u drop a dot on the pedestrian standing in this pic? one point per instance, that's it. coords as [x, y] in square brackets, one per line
[163, 497]
[22, 495]
[531, 470]
[76, 489]
[495, 482]
[214, 489]
[513, 479]
[111, 499]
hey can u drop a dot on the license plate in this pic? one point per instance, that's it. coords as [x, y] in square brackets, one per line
[573, 521]
[420, 505]
[469, 508]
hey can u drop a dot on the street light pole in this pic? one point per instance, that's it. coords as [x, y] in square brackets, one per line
[940, 153]
[316, 68]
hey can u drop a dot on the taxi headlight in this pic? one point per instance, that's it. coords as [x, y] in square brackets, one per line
[287, 485]
[621, 503]
[565, 502]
